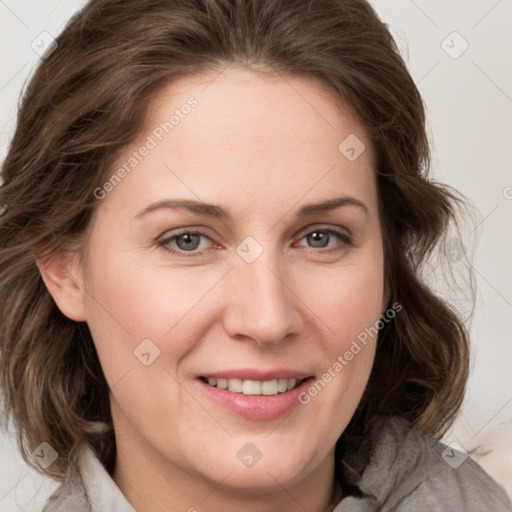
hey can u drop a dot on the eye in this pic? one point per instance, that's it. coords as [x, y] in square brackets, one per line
[320, 238]
[187, 241]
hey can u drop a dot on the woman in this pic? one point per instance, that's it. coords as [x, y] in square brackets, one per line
[214, 220]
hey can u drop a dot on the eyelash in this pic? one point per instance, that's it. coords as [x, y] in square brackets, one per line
[164, 244]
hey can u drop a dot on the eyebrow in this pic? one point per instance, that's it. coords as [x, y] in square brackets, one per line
[212, 210]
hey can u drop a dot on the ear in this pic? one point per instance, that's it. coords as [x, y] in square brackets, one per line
[62, 276]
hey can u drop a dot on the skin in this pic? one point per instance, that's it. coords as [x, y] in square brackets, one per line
[260, 146]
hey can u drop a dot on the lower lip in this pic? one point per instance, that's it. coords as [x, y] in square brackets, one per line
[256, 407]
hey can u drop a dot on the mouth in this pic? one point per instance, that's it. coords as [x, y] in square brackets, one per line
[255, 394]
[254, 387]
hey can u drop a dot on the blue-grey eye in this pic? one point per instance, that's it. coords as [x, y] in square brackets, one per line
[187, 241]
[318, 238]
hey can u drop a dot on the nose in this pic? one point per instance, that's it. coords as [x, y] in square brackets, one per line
[262, 306]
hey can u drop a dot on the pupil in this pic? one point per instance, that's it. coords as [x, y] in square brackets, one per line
[320, 237]
[189, 239]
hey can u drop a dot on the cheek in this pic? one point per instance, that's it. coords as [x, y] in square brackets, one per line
[348, 304]
[129, 302]
[147, 300]
[347, 301]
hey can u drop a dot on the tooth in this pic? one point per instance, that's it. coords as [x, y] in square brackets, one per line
[291, 383]
[282, 385]
[235, 385]
[269, 387]
[251, 387]
[222, 383]
[254, 387]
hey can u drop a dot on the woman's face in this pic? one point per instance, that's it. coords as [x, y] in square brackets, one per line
[250, 284]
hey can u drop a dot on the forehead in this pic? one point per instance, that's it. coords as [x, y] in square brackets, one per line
[240, 107]
[262, 138]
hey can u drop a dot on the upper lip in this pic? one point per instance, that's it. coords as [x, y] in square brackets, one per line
[257, 374]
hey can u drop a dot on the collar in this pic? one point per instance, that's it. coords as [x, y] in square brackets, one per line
[102, 491]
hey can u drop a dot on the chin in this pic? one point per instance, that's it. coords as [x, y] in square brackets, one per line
[261, 480]
[257, 471]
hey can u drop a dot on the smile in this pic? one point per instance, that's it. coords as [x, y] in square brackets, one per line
[255, 394]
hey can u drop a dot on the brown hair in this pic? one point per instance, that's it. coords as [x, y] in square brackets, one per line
[86, 102]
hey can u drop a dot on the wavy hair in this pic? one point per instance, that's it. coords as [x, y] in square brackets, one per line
[86, 102]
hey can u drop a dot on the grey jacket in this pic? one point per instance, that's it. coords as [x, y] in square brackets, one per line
[395, 469]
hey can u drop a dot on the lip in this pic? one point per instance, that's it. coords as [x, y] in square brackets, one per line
[256, 407]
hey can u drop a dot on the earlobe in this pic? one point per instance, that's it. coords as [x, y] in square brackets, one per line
[62, 279]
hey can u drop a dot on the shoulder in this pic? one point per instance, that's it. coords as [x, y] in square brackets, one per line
[467, 488]
[405, 469]
[439, 477]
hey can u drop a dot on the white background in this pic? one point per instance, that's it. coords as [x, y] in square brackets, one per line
[469, 107]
